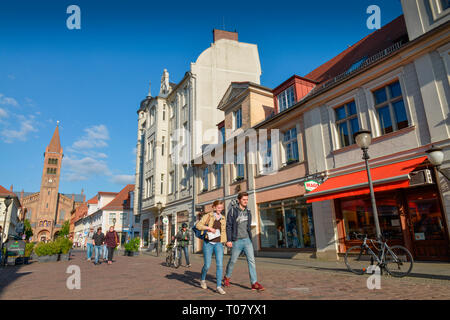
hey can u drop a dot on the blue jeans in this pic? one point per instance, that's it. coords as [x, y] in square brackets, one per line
[245, 245]
[208, 250]
[105, 252]
[89, 249]
[186, 253]
[98, 252]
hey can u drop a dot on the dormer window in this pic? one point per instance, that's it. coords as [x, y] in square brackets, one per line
[286, 99]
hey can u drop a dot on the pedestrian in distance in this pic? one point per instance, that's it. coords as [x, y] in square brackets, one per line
[104, 252]
[99, 240]
[112, 241]
[90, 243]
[215, 223]
[183, 243]
[239, 235]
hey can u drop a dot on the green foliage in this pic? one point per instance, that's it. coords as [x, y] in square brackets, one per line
[29, 248]
[64, 245]
[42, 249]
[64, 232]
[133, 244]
[60, 245]
[27, 229]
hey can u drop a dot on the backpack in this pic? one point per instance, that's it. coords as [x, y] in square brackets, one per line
[201, 234]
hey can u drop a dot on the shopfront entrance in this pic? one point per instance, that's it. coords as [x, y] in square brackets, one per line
[410, 217]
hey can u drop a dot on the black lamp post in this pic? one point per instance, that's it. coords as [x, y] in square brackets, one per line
[363, 139]
[436, 157]
[158, 240]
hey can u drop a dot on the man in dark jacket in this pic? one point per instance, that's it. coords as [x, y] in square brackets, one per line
[183, 242]
[99, 239]
[239, 235]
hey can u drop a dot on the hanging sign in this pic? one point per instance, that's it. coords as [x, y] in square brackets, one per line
[165, 220]
[311, 185]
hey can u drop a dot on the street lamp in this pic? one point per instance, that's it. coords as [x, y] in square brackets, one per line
[436, 157]
[7, 202]
[363, 138]
[158, 249]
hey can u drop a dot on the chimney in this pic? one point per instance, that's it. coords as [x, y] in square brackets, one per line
[11, 188]
[222, 34]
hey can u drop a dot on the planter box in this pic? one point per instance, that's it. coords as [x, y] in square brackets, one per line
[52, 258]
[43, 258]
[64, 257]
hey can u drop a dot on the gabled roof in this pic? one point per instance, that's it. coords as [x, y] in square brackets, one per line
[235, 89]
[379, 40]
[118, 202]
[93, 200]
[6, 192]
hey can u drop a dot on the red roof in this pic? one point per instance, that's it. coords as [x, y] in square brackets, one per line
[387, 177]
[118, 202]
[80, 212]
[379, 40]
[4, 191]
[93, 200]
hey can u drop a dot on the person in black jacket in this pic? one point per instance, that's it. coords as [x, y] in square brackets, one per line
[239, 235]
[99, 240]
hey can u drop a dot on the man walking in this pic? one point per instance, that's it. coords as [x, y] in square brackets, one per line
[239, 220]
[90, 243]
[183, 238]
[99, 239]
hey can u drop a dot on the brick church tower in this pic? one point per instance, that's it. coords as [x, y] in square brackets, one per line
[48, 204]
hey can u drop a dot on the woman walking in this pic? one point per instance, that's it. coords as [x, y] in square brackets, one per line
[215, 223]
[111, 240]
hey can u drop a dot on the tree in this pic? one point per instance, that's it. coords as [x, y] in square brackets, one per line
[27, 230]
[64, 232]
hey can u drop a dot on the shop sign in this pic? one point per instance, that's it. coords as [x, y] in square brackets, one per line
[311, 185]
[165, 220]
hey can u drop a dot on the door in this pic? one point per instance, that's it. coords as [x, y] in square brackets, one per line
[427, 225]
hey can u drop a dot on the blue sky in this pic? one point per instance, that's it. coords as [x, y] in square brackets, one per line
[92, 80]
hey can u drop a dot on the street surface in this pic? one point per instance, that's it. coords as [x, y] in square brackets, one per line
[146, 277]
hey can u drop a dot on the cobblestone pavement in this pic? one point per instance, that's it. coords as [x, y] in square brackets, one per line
[147, 277]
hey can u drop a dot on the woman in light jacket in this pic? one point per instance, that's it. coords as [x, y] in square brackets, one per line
[211, 222]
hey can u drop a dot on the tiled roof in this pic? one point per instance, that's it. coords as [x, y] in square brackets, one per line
[77, 197]
[80, 212]
[118, 202]
[381, 39]
[93, 200]
[4, 191]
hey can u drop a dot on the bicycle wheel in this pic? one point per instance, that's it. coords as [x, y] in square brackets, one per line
[358, 260]
[398, 261]
[176, 259]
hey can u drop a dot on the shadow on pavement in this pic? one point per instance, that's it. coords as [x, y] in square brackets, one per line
[9, 274]
[193, 278]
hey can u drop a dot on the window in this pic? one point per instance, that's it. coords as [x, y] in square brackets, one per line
[164, 113]
[172, 111]
[266, 156]
[29, 213]
[152, 116]
[239, 160]
[290, 146]
[184, 176]
[218, 174]
[162, 145]
[222, 135]
[205, 179]
[237, 116]
[112, 216]
[390, 108]
[439, 8]
[346, 123]
[171, 182]
[357, 64]
[123, 217]
[151, 185]
[51, 170]
[52, 161]
[137, 219]
[286, 99]
[162, 183]
[62, 214]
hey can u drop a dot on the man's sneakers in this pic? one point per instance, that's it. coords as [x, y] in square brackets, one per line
[188, 266]
[257, 286]
[203, 284]
[226, 282]
[220, 290]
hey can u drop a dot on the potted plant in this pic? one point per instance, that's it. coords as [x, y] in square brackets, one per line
[54, 250]
[239, 178]
[42, 251]
[132, 247]
[28, 251]
[290, 161]
[128, 249]
[65, 246]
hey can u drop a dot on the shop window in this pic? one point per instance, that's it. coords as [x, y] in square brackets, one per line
[358, 217]
[287, 226]
[390, 108]
[346, 123]
[426, 216]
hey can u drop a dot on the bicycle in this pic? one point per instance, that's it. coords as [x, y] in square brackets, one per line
[173, 256]
[397, 260]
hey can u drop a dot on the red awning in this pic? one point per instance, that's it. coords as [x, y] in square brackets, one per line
[387, 177]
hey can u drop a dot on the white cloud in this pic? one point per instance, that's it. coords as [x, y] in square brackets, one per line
[84, 168]
[26, 126]
[95, 137]
[8, 100]
[123, 179]
[11, 76]
[3, 113]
